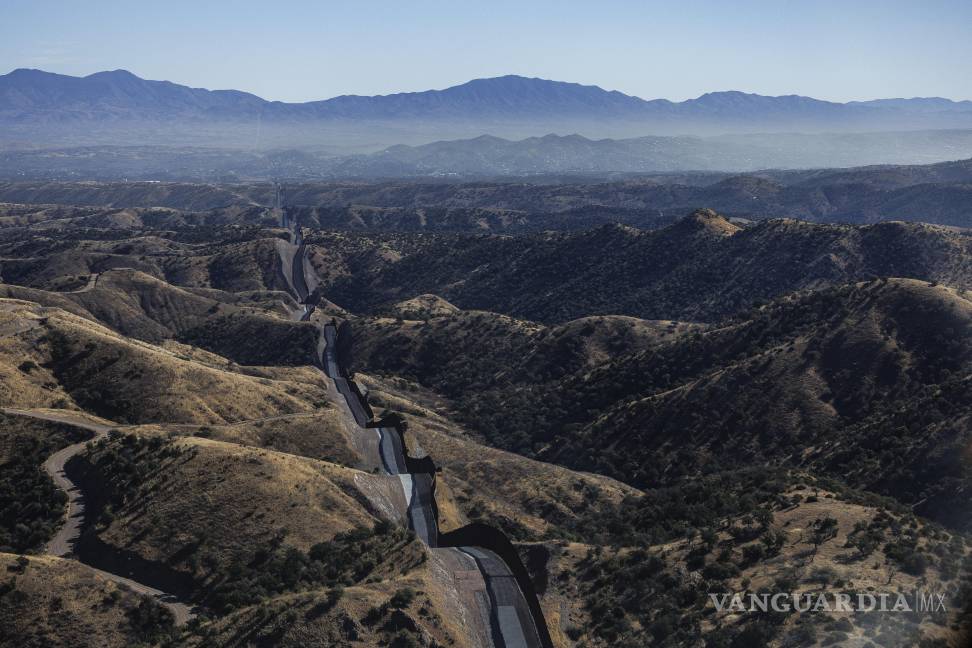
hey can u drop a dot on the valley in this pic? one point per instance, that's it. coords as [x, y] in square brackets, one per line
[284, 434]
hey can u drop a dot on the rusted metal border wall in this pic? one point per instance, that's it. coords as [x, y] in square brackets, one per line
[488, 537]
[476, 534]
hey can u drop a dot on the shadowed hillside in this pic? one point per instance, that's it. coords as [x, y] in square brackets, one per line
[839, 380]
[89, 610]
[701, 268]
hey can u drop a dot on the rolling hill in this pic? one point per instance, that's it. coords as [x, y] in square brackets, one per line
[934, 193]
[650, 416]
[51, 358]
[703, 267]
[837, 380]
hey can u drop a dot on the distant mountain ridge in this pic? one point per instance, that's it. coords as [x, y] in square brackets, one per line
[26, 89]
[496, 96]
[38, 105]
[938, 194]
[489, 156]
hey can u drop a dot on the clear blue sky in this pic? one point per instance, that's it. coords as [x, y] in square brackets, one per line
[296, 50]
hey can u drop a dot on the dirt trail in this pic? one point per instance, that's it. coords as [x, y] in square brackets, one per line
[88, 287]
[62, 543]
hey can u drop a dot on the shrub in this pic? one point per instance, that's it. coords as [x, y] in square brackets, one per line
[402, 598]
[753, 553]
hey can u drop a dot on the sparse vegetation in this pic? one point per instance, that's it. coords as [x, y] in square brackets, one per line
[346, 559]
[31, 506]
[797, 434]
[721, 399]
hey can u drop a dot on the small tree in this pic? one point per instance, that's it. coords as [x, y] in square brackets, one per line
[821, 531]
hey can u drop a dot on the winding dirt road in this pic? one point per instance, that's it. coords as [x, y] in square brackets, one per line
[62, 544]
[88, 287]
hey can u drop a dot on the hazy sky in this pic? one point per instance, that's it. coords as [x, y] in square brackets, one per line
[295, 50]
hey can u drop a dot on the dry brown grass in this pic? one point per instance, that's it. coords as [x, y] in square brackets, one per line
[228, 499]
[82, 365]
[603, 336]
[423, 307]
[316, 435]
[219, 501]
[143, 306]
[833, 568]
[59, 603]
[483, 483]
[309, 620]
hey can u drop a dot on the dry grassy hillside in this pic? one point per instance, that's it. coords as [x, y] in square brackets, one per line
[442, 342]
[728, 443]
[285, 548]
[49, 358]
[234, 267]
[320, 434]
[51, 602]
[412, 610]
[237, 261]
[528, 499]
[423, 307]
[840, 380]
[253, 327]
[50, 218]
[623, 567]
[806, 541]
[131, 302]
[218, 501]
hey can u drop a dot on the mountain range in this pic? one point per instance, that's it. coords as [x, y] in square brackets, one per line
[118, 107]
[489, 157]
